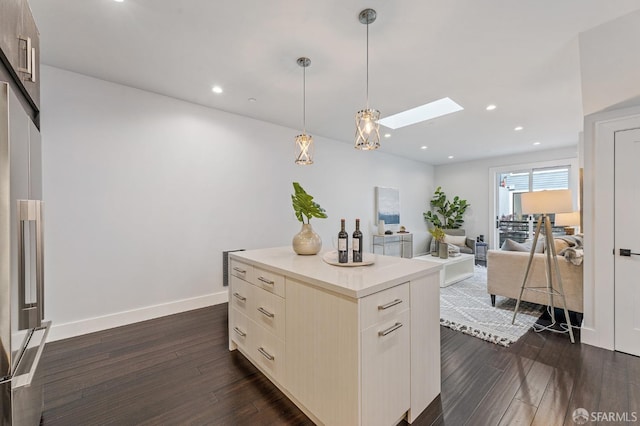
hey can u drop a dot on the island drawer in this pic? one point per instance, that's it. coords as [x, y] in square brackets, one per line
[241, 329]
[242, 295]
[268, 351]
[268, 310]
[384, 305]
[241, 270]
[269, 281]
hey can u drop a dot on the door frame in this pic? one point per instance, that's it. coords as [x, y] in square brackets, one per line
[598, 328]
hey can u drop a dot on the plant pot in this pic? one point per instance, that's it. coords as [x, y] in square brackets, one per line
[443, 249]
[307, 242]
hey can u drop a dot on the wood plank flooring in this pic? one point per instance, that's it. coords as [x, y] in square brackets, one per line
[177, 370]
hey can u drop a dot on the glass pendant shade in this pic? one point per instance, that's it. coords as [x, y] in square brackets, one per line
[367, 129]
[304, 142]
[304, 149]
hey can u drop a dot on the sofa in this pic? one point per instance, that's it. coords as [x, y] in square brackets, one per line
[506, 269]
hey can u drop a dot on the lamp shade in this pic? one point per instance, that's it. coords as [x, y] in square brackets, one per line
[555, 201]
[568, 219]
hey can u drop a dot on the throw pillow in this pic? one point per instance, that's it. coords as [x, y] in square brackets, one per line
[459, 241]
[560, 244]
[510, 245]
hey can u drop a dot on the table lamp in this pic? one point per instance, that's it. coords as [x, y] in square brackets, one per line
[545, 203]
[568, 220]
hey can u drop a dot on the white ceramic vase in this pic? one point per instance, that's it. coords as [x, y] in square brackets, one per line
[306, 241]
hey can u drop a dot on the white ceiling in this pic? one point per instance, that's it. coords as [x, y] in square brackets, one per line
[520, 55]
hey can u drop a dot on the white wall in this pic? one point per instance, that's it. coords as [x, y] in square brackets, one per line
[470, 181]
[609, 65]
[144, 192]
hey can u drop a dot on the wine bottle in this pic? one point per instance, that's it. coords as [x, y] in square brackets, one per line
[343, 244]
[357, 243]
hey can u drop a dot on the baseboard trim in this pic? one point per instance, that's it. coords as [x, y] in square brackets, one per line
[90, 325]
[590, 336]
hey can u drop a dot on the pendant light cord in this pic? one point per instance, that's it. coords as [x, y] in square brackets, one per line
[304, 100]
[367, 64]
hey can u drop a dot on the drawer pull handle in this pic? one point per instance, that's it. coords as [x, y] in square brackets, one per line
[266, 281]
[390, 304]
[390, 329]
[266, 354]
[242, 271]
[239, 297]
[265, 312]
[239, 332]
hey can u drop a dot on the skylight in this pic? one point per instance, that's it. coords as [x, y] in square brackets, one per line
[424, 112]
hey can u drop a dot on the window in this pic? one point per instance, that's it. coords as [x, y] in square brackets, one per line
[535, 179]
[511, 222]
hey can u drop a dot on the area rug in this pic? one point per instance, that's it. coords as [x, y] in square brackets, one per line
[466, 307]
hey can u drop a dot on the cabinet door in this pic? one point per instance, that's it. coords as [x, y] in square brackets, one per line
[20, 44]
[29, 30]
[385, 371]
[10, 27]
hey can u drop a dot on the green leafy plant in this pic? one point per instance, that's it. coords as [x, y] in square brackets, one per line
[438, 234]
[444, 213]
[304, 206]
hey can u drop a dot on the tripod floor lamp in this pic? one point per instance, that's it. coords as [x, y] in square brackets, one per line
[545, 203]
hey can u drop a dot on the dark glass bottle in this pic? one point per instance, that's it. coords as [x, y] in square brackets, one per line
[343, 244]
[357, 243]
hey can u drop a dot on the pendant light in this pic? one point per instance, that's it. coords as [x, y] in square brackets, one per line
[304, 142]
[367, 127]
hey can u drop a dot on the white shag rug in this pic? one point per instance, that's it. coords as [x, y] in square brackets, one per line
[466, 307]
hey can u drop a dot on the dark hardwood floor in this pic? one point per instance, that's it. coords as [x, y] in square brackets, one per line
[177, 370]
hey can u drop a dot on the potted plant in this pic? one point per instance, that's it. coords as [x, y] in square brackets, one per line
[306, 241]
[438, 234]
[445, 213]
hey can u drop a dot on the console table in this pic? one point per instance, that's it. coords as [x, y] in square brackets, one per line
[399, 244]
[340, 342]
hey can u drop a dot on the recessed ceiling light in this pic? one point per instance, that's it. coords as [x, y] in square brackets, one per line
[118, 1]
[252, 100]
[450, 157]
[536, 143]
[518, 128]
[216, 89]
[424, 147]
[387, 135]
[421, 113]
[491, 107]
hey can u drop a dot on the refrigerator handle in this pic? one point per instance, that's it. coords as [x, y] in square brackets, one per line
[31, 314]
[39, 262]
[25, 379]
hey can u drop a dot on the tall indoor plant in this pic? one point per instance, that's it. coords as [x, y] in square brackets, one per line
[306, 241]
[444, 213]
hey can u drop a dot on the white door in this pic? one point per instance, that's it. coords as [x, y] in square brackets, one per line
[627, 237]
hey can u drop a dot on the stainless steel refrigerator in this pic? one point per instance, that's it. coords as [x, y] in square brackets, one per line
[23, 331]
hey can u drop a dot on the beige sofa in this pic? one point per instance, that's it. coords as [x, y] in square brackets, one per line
[505, 272]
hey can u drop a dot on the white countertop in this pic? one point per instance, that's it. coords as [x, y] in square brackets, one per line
[355, 281]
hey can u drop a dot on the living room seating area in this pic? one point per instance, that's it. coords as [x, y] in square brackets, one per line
[506, 268]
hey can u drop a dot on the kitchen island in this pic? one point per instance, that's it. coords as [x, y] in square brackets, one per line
[348, 345]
